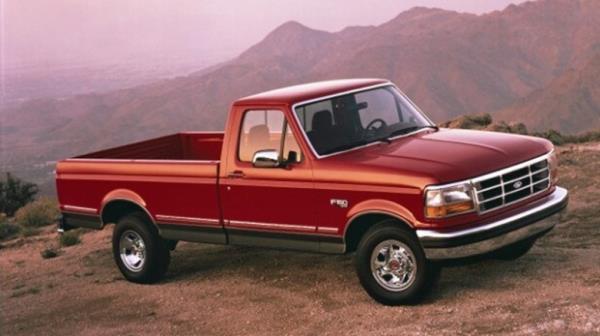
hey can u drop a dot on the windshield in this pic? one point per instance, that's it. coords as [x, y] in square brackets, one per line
[348, 121]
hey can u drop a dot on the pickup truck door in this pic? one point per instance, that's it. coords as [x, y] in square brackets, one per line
[271, 206]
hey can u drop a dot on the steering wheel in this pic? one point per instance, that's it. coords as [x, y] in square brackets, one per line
[371, 127]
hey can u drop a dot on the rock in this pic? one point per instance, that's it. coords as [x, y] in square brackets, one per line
[558, 324]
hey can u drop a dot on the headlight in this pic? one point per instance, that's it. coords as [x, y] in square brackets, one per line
[553, 167]
[450, 200]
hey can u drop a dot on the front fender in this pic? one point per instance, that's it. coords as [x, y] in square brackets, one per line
[380, 206]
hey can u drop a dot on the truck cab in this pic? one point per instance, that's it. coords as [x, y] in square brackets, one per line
[332, 167]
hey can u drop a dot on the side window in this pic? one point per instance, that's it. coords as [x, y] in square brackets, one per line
[263, 129]
[291, 145]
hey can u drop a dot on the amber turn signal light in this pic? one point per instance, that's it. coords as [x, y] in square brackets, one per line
[449, 209]
[448, 200]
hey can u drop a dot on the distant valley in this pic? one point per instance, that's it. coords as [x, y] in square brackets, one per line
[66, 80]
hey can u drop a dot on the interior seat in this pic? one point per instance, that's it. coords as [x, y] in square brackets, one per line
[324, 136]
[258, 138]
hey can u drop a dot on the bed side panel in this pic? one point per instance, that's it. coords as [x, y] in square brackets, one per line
[169, 189]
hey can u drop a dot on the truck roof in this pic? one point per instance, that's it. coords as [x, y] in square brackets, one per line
[298, 93]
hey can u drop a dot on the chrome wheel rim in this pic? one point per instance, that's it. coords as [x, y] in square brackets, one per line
[132, 250]
[393, 265]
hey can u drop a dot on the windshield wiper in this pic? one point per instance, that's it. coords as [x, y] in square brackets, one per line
[385, 139]
[410, 129]
[346, 146]
[357, 144]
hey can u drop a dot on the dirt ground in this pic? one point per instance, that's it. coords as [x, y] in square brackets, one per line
[220, 290]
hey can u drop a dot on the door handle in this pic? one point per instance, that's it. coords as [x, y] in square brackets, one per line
[236, 174]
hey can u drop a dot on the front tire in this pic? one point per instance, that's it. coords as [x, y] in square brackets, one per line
[392, 267]
[141, 255]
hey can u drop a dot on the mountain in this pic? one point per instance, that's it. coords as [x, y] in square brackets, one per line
[453, 64]
[570, 103]
[450, 64]
[30, 82]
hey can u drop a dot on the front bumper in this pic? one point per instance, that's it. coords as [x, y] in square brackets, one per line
[439, 245]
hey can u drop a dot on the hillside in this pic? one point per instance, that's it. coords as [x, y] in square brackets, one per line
[570, 103]
[449, 63]
[225, 290]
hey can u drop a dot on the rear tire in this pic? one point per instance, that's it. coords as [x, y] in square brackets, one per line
[392, 267]
[141, 255]
[514, 251]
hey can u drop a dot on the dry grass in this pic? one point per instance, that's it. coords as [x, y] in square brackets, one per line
[225, 290]
[41, 212]
[69, 238]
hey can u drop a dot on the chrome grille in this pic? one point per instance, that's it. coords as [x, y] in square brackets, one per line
[512, 184]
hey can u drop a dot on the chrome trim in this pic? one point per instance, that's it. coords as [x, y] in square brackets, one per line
[266, 158]
[445, 186]
[415, 106]
[60, 227]
[132, 250]
[511, 192]
[236, 223]
[140, 161]
[475, 193]
[192, 220]
[514, 167]
[493, 198]
[366, 88]
[393, 265]
[502, 183]
[488, 189]
[558, 196]
[79, 209]
[325, 229]
[340, 203]
[491, 244]
[521, 177]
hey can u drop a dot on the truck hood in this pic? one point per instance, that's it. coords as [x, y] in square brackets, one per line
[450, 155]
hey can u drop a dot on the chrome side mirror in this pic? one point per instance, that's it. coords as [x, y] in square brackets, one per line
[267, 158]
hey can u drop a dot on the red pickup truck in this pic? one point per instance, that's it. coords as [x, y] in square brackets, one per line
[333, 167]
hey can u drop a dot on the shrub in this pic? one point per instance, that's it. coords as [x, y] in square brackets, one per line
[517, 128]
[476, 121]
[28, 231]
[69, 238]
[15, 193]
[7, 229]
[39, 213]
[485, 122]
[49, 253]
[555, 137]
[481, 119]
[25, 291]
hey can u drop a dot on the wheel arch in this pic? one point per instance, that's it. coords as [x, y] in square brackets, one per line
[364, 215]
[121, 202]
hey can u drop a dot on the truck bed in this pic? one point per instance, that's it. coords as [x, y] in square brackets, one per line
[196, 146]
[171, 177]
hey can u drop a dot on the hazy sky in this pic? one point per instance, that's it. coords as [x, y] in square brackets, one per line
[49, 32]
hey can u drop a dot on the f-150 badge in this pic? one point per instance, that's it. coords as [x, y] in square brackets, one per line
[341, 203]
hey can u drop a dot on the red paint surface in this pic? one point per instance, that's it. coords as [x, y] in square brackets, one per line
[187, 174]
